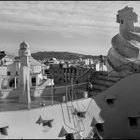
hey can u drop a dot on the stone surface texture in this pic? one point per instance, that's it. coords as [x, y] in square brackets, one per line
[124, 54]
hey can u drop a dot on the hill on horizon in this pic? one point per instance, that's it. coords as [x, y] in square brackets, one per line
[61, 55]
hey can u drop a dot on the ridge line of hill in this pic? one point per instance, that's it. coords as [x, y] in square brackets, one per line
[61, 55]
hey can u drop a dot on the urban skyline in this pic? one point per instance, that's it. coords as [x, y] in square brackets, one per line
[51, 95]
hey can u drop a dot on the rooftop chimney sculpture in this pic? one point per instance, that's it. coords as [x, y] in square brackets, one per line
[24, 76]
[124, 54]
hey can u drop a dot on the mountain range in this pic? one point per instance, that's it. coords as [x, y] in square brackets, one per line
[60, 55]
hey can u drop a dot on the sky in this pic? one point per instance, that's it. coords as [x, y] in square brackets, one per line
[85, 27]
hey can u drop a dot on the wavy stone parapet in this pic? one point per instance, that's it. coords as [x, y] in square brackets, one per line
[124, 54]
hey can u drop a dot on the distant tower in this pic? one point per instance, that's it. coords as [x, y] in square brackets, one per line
[24, 75]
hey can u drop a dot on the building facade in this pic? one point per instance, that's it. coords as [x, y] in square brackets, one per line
[63, 74]
[9, 72]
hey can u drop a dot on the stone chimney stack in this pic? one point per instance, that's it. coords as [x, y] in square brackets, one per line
[24, 75]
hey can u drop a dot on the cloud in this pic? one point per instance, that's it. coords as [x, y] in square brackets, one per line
[81, 14]
[83, 20]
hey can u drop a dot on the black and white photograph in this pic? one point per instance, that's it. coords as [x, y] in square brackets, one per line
[69, 70]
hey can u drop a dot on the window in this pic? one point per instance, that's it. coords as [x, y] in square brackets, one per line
[70, 136]
[33, 81]
[60, 65]
[3, 131]
[8, 73]
[99, 127]
[81, 114]
[110, 101]
[12, 82]
[16, 72]
[75, 71]
[133, 122]
[71, 70]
